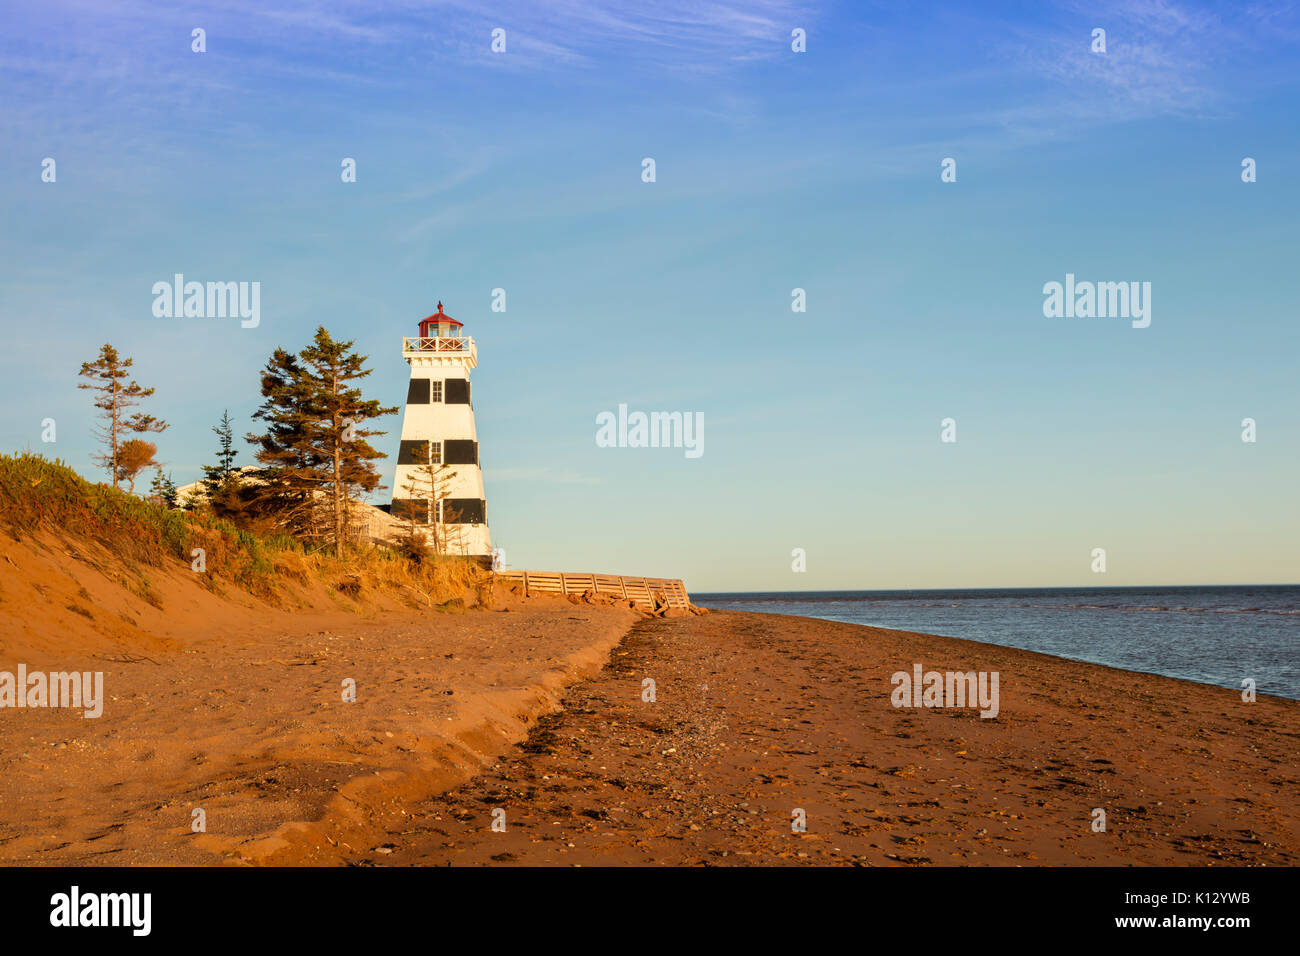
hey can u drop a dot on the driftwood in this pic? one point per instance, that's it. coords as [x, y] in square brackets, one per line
[127, 659]
[427, 600]
[301, 663]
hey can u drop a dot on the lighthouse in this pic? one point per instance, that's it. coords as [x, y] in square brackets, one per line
[439, 482]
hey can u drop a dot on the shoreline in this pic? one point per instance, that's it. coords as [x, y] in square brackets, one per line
[504, 695]
[1056, 630]
[761, 715]
[971, 640]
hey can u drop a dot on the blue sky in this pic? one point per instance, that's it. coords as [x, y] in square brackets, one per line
[775, 170]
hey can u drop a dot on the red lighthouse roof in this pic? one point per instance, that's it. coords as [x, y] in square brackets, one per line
[437, 317]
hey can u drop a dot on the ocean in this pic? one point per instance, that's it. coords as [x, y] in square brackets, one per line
[1215, 635]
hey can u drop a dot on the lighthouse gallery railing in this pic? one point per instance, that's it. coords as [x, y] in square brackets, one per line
[441, 344]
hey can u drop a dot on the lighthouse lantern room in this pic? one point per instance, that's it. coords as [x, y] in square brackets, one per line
[439, 483]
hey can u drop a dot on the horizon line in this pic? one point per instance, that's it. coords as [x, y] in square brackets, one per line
[1038, 587]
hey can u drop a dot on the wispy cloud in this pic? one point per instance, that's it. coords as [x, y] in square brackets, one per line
[686, 34]
[386, 40]
[704, 36]
[74, 69]
[1161, 58]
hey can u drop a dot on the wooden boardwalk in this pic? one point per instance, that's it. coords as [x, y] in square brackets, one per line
[640, 590]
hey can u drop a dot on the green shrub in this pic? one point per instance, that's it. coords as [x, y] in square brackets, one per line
[39, 494]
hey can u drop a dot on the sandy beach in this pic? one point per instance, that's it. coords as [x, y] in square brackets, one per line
[759, 715]
[535, 707]
[215, 700]
[251, 728]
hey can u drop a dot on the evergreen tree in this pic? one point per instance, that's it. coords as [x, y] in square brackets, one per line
[290, 472]
[216, 476]
[316, 458]
[169, 491]
[110, 378]
[163, 488]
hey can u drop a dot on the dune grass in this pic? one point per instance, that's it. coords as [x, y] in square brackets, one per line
[39, 494]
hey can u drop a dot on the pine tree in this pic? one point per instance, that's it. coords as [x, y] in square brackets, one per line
[217, 476]
[162, 488]
[336, 434]
[290, 474]
[115, 396]
[317, 458]
[169, 491]
[156, 486]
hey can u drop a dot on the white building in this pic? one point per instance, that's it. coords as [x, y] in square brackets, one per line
[438, 430]
[196, 492]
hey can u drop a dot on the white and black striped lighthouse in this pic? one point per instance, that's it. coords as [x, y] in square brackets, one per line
[439, 481]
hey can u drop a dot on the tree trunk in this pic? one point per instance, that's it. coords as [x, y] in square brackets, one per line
[113, 401]
[338, 482]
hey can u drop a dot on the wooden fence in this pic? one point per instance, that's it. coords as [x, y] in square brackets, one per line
[640, 590]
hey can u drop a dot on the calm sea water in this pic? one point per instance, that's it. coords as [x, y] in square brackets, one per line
[1216, 635]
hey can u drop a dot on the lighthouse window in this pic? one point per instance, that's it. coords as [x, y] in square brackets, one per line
[413, 452]
[457, 391]
[435, 391]
[460, 452]
[464, 511]
[418, 391]
[412, 509]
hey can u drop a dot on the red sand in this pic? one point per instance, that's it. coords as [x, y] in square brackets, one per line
[222, 703]
[759, 715]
